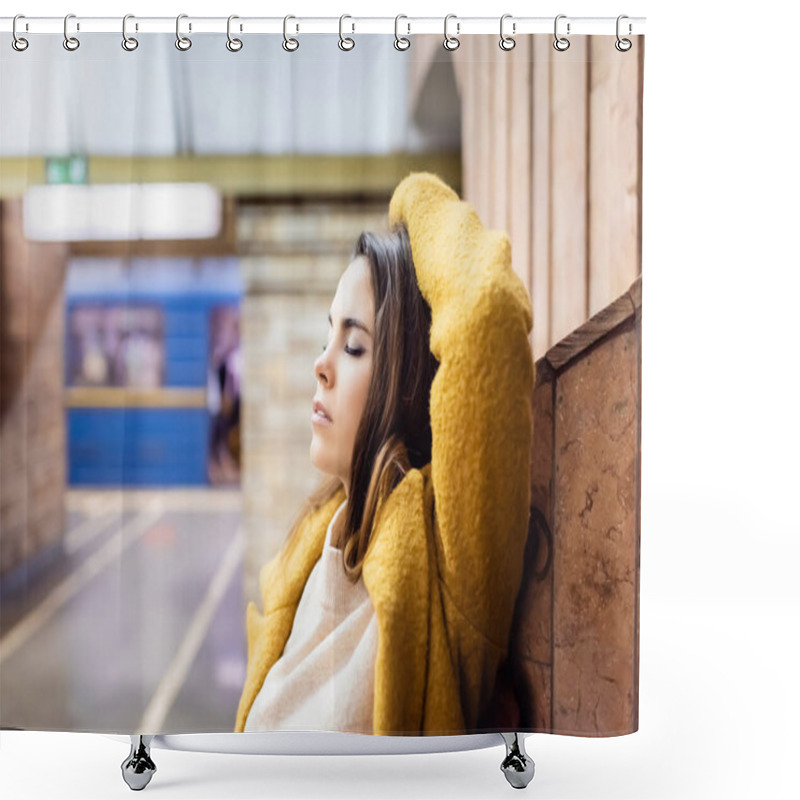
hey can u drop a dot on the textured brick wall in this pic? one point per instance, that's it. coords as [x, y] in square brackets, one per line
[294, 258]
[32, 433]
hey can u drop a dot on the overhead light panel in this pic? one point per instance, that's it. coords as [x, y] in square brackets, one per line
[122, 212]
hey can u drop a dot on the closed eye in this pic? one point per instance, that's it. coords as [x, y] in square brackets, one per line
[348, 350]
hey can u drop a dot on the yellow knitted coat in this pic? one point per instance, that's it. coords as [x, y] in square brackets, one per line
[445, 558]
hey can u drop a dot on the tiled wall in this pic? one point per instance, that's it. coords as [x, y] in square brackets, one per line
[32, 436]
[294, 258]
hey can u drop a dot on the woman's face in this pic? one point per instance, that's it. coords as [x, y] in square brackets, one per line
[343, 372]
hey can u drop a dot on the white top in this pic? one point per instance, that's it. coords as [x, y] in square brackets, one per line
[325, 678]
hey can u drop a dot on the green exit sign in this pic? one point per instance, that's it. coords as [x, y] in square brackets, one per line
[67, 169]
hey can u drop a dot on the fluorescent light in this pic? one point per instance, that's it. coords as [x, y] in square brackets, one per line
[65, 213]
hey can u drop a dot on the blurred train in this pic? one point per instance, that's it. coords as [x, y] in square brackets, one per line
[153, 371]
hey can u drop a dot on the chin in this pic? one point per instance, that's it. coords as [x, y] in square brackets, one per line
[317, 458]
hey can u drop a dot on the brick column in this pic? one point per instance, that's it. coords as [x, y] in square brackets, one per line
[32, 430]
[293, 257]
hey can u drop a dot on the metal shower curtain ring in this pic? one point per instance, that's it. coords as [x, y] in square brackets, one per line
[506, 42]
[70, 42]
[182, 42]
[401, 43]
[289, 45]
[346, 43]
[560, 42]
[128, 42]
[234, 45]
[623, 45]
[451, 42]
[18, 42]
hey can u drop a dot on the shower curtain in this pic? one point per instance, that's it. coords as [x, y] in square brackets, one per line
[188, 543]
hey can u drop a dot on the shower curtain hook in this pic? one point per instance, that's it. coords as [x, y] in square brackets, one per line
[451, 42]
[128, 42]
[623, 45]
[406, 43]
[290, 45]
[18, 43]
[506, 42]
[70, 42]
[234, 45]
[560, 43]
[346, 43]
[182, 42]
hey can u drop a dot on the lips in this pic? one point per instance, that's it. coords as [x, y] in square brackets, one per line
[320, 409]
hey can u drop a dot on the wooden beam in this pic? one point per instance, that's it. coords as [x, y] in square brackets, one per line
[518, 168]
[603, 322]
[276, 176]
[614, 157]
[568, 189]
[540, 193]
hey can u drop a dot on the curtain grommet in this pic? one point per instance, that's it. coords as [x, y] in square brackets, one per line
[451, 42]
[507, 42]
[233, 45]
[345, 42]
[560, 43]
[289, 44]
[623, 45]
[183, 43]
[400, 42]
[128, 42]
[70, 42]
[19, 43]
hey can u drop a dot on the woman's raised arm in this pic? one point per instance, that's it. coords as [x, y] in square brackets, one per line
[480, 404]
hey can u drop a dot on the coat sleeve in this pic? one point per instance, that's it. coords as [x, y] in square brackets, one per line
[480, 404]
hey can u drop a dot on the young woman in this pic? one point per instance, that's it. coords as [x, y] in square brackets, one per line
[388, 608]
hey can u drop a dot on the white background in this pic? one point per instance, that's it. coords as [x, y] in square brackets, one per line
[719, 697]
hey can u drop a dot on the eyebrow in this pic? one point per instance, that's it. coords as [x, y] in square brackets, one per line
[349, 322]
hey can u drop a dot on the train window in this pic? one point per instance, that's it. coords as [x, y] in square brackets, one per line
[115, 345]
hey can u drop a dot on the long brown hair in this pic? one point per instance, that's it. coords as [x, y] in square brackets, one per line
[394, 434]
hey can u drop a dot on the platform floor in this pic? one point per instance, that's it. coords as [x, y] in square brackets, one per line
[139, 625]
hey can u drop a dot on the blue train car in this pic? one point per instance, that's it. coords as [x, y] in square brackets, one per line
[146, 341]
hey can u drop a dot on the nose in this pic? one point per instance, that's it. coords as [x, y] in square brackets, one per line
[322, 368]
